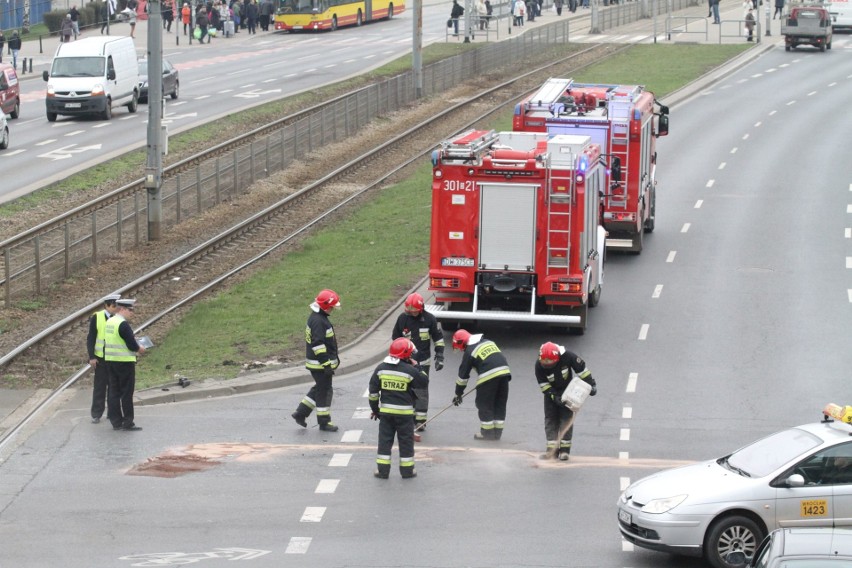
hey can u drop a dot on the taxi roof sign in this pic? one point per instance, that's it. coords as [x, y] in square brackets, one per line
[842, 413]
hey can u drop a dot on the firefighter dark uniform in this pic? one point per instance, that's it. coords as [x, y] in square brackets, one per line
[391, 400]
[492, 384]
[95, 349]
[321, 360]
[120, 349]
[423, 329]
[553, 371]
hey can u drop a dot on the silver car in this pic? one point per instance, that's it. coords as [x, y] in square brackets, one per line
[803, 548]
[801, 477]
[4, 131]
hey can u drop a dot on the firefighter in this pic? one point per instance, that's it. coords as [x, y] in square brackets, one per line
[553, 371]
[95, 348]
[422, 329]
[492, 384]
[391, 396]
[321, 361]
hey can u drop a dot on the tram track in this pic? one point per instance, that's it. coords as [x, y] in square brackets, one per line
[174, 285]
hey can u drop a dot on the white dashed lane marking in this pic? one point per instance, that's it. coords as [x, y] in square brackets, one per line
[312, 515]
[298, 545]
[327, 486]
[339, 460]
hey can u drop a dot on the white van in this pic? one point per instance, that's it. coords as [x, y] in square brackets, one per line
[92, 75]
[841, 14]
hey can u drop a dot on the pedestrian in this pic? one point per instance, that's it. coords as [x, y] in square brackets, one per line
[266, 12]
[168, 13]
[201, 22]
[558, 5]
[321, 361]
[423, 329]
[749, 23]
[779, 8]
[709, 8]
[66, 29]
[95, 347]
[2, 45]
[131, 16]
[213, 21]
[236, 7]
[518, 12]
[489, 10]
[392, 396]
[530, 9]
[554, 370]
[492, 384]
[75, 20]
[481, 11]
[105, 13]
[252, 13]
[185, 15]
[456, 13]
[120, 352]
[714, 7]
[15, 48]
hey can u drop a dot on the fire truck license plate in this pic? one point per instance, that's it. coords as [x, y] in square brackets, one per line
[814, 508]
[457, 262]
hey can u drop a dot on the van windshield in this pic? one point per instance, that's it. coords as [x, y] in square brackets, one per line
[78, 67]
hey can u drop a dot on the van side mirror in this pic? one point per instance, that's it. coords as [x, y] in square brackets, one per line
[45, 75]
[111, 75]
[663, 125]
[615, 170]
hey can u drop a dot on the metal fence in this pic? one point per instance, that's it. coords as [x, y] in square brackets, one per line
[46, 255]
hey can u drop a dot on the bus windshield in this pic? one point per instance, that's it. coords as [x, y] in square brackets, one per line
[301, 6]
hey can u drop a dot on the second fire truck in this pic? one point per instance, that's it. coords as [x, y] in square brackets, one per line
[516, 232]
[620, 118]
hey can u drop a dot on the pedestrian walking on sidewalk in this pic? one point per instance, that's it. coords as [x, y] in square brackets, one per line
[185, 15]
[75, 20]
[749, 19]
[779, 8]
[15, 48]
[2, 45]
[714, 8]
[66, 29]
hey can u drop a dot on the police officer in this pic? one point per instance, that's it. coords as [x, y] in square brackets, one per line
[553, 371]
[492, 384]
[120, 351]
[392, 404]
[95, 347]
[422, 329]
[321, 361]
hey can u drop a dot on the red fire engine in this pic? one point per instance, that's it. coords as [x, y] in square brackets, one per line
[516, 232]
[621, 119]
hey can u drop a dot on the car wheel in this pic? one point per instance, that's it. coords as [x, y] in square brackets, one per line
[651, 221]
[595, 296]
[16, 112]
[107, 114]
[175, 92]
[4, 141]
[51, 117]
[731, 534]
[133, 104]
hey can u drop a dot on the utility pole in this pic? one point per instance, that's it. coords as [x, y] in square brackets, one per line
[417, 48]
[154, 164]
[468, 6]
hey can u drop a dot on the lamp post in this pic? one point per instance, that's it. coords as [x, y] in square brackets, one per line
[154, 163]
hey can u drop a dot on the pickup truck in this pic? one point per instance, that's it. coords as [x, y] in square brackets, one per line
[809, 25]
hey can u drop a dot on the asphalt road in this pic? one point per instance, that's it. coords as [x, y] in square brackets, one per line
[734, 322]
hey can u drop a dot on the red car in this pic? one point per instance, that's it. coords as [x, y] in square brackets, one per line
[10, 92]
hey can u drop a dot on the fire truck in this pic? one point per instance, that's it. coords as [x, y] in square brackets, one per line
[620, 118]
[516, 232]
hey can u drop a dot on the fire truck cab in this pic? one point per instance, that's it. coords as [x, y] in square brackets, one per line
[619, 118]
[516, 232]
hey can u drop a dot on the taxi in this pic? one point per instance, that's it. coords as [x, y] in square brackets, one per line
[10, 91]
[800, 477]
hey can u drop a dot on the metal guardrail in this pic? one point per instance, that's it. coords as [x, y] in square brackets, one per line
[34, 261]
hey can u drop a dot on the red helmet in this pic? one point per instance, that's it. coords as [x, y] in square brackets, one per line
[460, 339]
[549, 354]
[414, 304]
[327, 300]
[402, 348]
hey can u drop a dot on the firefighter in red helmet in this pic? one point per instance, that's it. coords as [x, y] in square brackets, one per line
[554, 369]
[321, 361]
[423, 329]
[492, 384]
[391, 400]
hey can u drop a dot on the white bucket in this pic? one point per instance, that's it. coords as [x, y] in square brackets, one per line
[576, 393]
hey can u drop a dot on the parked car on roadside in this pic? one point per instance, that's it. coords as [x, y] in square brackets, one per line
[799, 477]
[171, 80]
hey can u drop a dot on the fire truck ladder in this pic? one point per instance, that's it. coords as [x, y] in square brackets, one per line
[548, 94]
[559, 221]
[620, 108]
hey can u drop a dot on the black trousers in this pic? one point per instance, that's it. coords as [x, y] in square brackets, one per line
[99, 391]
[421, 401]
[122, 382]
[556, 416]
[402, 427]
[491, 398]
[319, 398]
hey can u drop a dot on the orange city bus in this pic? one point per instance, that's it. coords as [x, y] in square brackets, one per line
[313, 15]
